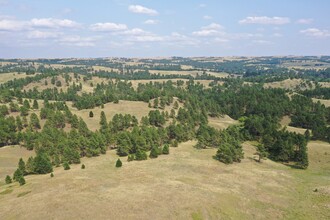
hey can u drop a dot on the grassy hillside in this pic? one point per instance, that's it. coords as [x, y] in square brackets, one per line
[183, 185]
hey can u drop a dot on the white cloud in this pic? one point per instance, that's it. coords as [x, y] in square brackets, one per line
[212, 26]
[150, 21]
[108, 27]
[210, 30]
[202, 5]
[265, 20]
[42, 34]
[207, 17]
[262, 42]
[53, 23]
[12, 25]
[16, 25]
[139, 9]
[315, 32]
[305, 21]
[77, 41]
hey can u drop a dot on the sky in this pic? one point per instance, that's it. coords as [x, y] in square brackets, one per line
[146, 28]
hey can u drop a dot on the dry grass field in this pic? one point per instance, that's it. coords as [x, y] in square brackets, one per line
[9, 156]
[325, 102]
[187, 184]
[4, 77]
[285, 84]
[221, 122]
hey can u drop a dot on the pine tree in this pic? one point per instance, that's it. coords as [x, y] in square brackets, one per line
[21, 166]
[17, 174]
[166, 149]
[8, 179]
[42, 164]
[21, 181]
[35, 104]
[154, 152]
[140, 155]
[119, 163]
[261, 152]
[29, 168]
[91, 114]
[66, 166]
[103, 123]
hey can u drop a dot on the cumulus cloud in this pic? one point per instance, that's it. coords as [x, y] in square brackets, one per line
[43, 34]
[315, 32]
[207, 17]
[139, 9]
[53, 23]
[210, 30]
[108, 27]
[16, 25]
[77, 41]
[265, 20]
[305, 21]
[150, 21]
[12, 25]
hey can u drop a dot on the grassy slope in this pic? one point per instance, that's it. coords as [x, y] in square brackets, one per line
[188, 183]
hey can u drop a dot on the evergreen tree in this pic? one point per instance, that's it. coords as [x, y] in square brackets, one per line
[21, 180]
[140, 155]
[17, 174]
[118, 163]
[156, 103]
[83, 166]
[261, 152]
[34, 121]
[30, 166]
[66, 166]
[166, 149]
[103, 123]
[21, 166]
[8, 179]
[42, 164]
[154, 152]
[91, 114]
[35, 105]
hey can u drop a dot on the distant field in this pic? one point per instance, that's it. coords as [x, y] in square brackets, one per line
[187, 184]
[285, 123]
[9, 156]
[135, 83]
[325, 102]
[221, 122]
[4, 77]
[285, 84]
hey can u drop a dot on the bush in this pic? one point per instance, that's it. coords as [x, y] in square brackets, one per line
[119, 163]
[8, 179]
[130, 157]
[66, 166]
[166, 149]
[154, 152]
[91, 114]
[83, 166]
[140, 155]
[52, 175]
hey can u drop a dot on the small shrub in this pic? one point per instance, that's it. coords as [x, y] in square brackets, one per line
[83, 166]
[119, 163]
[21, 181]
[166, 149]
[66, 166]
[52, 175]
[8, 179]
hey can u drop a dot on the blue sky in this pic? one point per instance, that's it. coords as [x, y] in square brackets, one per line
[145, 28]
